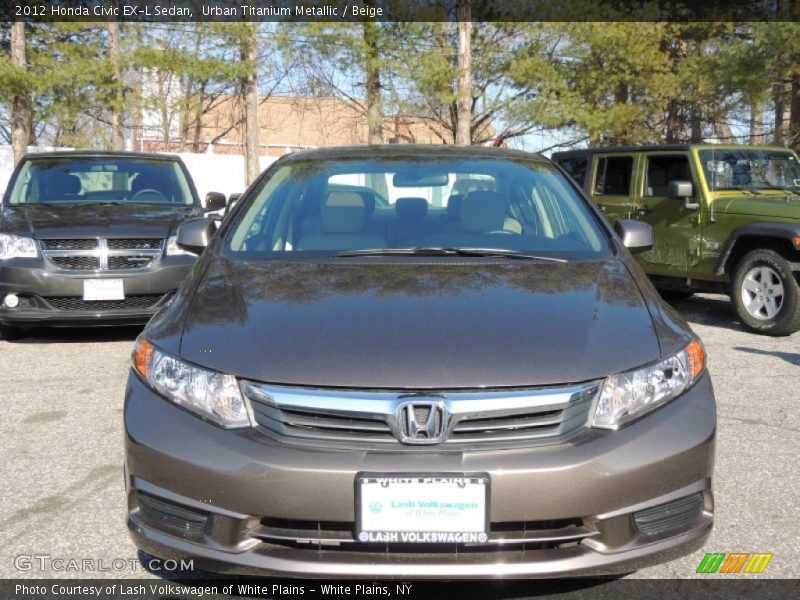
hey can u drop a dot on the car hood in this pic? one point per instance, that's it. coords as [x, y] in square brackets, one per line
[396, 325]
[767, 204]
[93, 220]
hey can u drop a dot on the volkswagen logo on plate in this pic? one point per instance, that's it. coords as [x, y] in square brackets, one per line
[422, 421]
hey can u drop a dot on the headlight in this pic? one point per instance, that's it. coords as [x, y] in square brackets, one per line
[13, 246]
[628, 396]
[173, 249]
[211, 395]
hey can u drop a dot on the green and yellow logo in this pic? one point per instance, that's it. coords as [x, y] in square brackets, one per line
[734, 562]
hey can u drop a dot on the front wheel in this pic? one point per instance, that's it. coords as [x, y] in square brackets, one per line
[765, 294]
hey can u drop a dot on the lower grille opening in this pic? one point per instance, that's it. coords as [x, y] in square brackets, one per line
[340, 536]
[672, 515]
[129, 303]
[172, 515]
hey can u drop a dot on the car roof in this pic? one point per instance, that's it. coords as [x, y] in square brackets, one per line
[99, 154]
[411, 151]
[660, 148]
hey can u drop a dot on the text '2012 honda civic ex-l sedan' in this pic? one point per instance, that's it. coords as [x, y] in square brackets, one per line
[464, 381]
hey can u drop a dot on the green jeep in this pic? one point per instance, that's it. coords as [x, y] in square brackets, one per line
[726, 219]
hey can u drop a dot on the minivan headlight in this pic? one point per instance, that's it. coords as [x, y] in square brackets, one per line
[13, 246]
[209, 394]
[173, 249]
[627, 396]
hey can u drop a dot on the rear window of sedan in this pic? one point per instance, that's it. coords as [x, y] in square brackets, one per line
[329, 206]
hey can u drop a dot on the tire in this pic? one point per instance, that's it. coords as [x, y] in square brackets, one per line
[673, 295]
[9, 332]
[765, 293]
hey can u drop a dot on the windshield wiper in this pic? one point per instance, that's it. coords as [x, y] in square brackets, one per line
[450, 251]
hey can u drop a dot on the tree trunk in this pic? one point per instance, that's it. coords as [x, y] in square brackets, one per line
[117, 134]
[696, 124]
[793, 135]
[374, 112]
[250, 85]
[779, 100]
[464, 101]
[21, 113]
[756, 124]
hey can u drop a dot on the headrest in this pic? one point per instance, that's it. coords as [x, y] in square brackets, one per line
[343, 212]
[369, 199]
[411, 209]
[454, 207]
[61, 183]
[483, 210]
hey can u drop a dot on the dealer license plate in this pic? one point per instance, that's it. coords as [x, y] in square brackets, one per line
[422, 509]
[103, 289]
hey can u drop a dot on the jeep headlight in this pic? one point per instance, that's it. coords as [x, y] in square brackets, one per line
[211, 395]
[630, 395]
[13, 246]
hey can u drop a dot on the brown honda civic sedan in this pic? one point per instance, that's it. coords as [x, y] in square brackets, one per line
[375, 371]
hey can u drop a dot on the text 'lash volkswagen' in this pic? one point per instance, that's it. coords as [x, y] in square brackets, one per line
[469, 380]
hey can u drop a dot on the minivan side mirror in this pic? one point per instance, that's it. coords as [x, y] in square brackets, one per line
[636, 236]
[194, 236]
[232, 200]
[215, 201]
[683, 190]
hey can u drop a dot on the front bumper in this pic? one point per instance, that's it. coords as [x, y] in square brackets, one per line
[52, 297]
[241, 479]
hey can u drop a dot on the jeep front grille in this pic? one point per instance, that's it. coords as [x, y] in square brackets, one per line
[486, 419]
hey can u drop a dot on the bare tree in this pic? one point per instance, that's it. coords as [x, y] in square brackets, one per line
[250, 88]
[117, 135]
[21, 114]
[464, 102]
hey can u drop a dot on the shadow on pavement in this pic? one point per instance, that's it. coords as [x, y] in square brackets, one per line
[714, 311]
[77, 335]
[792, 358]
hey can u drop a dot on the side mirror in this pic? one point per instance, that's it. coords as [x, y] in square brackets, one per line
[683, 190]
[194, 236]
[215, 201]
[636, 236]
[232, 200]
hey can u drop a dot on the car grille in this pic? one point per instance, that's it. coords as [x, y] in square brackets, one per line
[135, 244]
[474, 420]
[115, 254]
[76, 263]
[336, 535]
[69, 244]
[79, 304]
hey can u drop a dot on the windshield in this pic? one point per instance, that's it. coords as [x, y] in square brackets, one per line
[71, 180]
[312, 207]
[751, 169]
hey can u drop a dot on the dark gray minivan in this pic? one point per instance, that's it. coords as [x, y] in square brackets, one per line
[457, 382]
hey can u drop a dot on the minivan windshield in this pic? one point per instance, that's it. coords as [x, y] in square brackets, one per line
[352, 207]
[82, 180]
[750, 169]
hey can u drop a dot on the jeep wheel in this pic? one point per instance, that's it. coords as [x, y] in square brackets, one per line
[765, 293]
[8, 332]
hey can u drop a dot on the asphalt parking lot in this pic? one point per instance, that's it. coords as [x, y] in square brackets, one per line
[61, 396]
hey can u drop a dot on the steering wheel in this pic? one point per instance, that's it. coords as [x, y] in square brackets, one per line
[151, 192]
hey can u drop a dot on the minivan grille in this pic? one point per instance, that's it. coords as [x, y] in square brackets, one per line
[69, 244]
[115, 254]
[79, 304]
[473, 420]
